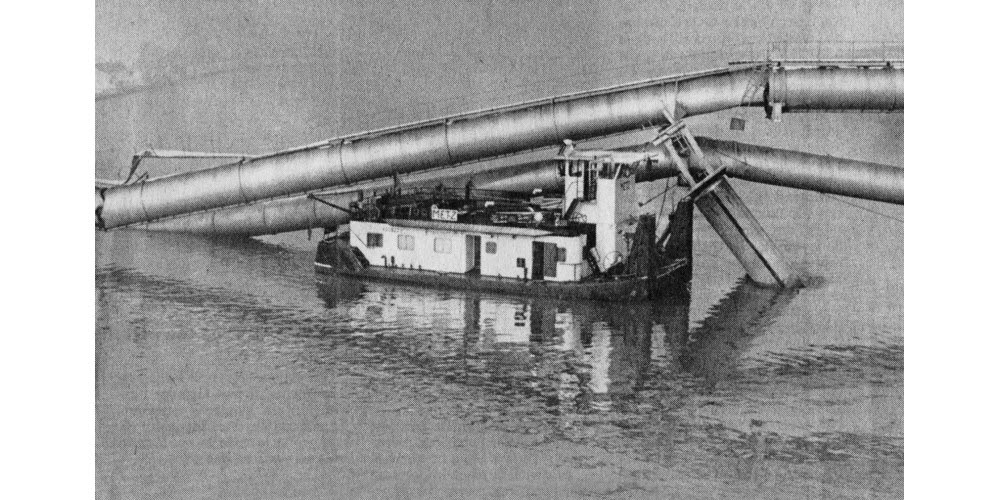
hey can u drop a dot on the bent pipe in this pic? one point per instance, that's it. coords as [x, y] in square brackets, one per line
[767, 165]
[794, 169]
[474, 136]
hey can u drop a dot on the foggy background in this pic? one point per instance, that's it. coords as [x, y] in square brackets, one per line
[257, 76]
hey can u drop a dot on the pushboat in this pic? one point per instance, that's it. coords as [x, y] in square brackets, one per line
[587, 244]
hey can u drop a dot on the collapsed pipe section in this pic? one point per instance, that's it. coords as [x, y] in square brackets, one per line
[475, 136]
[766, 165]
[794, 169]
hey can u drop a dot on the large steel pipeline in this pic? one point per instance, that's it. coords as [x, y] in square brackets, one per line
[828, 89]
[824, 174]
[778, 167]
[486, 134]
[766, 165]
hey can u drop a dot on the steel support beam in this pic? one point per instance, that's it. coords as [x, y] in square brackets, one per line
[725, 210]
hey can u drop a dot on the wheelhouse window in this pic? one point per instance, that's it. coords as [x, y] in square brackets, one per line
[491, 247]
[406, 242]
[442, 245]
[560, 254]
[590, 181]
[374, 240]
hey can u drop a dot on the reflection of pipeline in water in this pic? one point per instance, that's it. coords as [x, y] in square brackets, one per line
[712, 350]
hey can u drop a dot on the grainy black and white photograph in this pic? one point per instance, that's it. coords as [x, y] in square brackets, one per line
[499, 249]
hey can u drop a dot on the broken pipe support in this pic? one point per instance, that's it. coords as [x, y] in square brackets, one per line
[744, 236]
[725, 210]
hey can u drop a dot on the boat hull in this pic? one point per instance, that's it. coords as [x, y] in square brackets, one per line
[671, 280]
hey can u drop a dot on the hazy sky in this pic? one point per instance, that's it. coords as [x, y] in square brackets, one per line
[491, 30]
[334, 68]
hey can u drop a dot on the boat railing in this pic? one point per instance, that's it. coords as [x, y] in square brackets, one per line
[449, 193]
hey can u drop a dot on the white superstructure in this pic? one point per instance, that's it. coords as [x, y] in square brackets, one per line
[599, 188]
[447, 247]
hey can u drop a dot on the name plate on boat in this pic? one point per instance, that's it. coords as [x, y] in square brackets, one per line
[443, 214]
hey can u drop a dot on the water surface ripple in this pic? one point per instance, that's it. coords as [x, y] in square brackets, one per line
[196, 337]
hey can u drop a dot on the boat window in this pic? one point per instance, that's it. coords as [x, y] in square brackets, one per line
[590, 182]
[491, 247]
[560, 254]
[374, 240]
[520, 262]
[442, 245]
[406, 242]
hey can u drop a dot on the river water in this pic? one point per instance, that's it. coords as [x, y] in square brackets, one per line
[228, 368]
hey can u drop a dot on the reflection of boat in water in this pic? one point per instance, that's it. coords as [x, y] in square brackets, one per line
[604, 349]
[613, 342]
[588, 244]
[580, 353]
